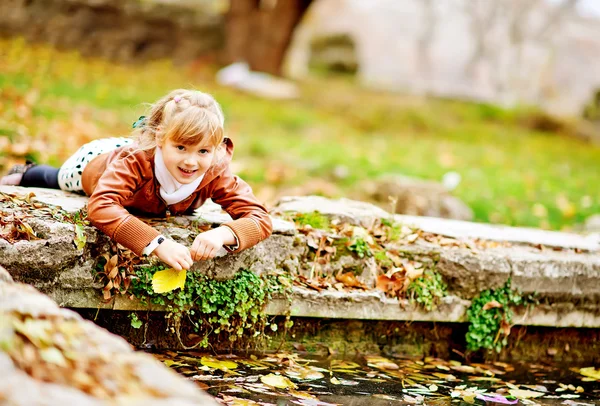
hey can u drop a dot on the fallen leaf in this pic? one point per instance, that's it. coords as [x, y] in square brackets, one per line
[525, 394]
[491, 305]
[218, 364]
[168, 280]
[277, 381]
[349, 280]
[590, 372]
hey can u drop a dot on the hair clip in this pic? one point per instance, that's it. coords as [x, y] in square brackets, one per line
[177, 99]
[140, 122]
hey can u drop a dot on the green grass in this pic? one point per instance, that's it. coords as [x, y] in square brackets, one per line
[511, 172]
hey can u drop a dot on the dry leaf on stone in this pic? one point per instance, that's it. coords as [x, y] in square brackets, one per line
[349, 280]
[392, 285]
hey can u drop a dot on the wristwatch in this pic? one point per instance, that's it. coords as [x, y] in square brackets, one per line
[153, 245]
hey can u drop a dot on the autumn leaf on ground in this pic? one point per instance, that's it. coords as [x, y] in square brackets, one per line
[391, 285]
[349, 280]
[168, 280]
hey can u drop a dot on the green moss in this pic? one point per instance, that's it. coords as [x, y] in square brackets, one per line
[313, 219]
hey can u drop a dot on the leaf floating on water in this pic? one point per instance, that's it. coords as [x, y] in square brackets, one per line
[304, 373]
[380, 362]
[337, 364]
[493, 397]
[233, 401]
[590, 372]
[218, 364]
[277, 381]
[168, 280]
[525, 394]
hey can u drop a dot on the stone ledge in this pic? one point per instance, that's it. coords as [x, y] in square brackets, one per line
[108, 352]
[360, 306]
[566, 277]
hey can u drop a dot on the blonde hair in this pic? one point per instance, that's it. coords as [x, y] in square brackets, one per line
[183, 116]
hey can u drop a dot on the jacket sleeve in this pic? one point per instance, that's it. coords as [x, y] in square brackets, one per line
[251, 222]
[117, 184]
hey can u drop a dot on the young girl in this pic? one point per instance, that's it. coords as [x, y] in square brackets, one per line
[176, 159]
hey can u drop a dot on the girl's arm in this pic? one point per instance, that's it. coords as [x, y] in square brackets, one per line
[251, 222]
[106, 210]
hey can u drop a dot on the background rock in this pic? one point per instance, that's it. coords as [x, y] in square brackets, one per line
[413, 196]
[130, 31]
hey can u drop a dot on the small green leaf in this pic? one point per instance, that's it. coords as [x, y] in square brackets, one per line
[80, 237]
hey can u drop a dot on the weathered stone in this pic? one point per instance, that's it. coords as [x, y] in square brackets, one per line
[504, 52]
[352, 211]
[413, 196]
[158, 385]
[567, 274]
[519, 235]
[592, 224]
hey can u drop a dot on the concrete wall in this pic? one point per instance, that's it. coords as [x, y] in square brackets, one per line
[536, 52]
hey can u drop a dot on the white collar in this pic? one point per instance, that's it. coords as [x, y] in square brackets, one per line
[170, 190]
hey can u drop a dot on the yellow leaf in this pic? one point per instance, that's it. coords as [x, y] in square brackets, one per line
[217, 364]
[525, 394]
[380, 362]
[590, 372]
[168, 280]
[277, 381]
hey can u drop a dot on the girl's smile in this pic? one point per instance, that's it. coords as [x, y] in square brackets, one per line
[186, 162]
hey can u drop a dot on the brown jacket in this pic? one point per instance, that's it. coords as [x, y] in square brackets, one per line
[123, 180]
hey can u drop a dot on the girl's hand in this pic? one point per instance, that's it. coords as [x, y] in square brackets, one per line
[174, 254]
[207, 244]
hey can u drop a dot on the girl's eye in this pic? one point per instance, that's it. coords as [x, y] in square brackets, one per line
[203, 151]
[181, 147]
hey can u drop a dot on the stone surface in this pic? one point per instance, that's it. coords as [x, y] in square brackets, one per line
[414, 196]
[562, 268]
[355, 212]
[86, 342]
[519, 235]
[592, 224]
[505, 52]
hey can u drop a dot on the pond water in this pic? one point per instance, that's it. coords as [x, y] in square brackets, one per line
[309, 379]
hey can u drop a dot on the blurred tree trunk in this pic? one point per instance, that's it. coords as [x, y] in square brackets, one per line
[259, 31]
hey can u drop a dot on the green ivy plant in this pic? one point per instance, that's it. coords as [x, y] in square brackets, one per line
[135, 321]
[490, 317]
[427, 290]
[361, 248]
[234, 306]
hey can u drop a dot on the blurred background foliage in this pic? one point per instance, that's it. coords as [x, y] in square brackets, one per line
[518, 166]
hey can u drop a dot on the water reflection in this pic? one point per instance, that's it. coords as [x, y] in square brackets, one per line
[308, 379]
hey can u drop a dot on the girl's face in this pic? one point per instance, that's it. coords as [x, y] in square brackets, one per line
[187, 162]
